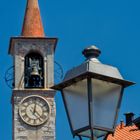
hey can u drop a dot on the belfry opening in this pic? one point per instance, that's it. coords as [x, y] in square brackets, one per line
[34, 71]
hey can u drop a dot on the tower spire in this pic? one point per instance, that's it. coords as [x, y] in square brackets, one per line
[32, 25]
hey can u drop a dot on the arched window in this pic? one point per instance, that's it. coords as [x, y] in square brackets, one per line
[34, 71]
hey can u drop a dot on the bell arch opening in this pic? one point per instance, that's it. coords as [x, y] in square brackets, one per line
[34, 71]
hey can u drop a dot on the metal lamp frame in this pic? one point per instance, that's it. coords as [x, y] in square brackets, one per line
[89, 76]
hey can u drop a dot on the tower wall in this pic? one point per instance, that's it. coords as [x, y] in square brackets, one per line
[19, 48]
[22, 131]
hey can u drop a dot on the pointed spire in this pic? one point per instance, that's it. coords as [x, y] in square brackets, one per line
[32, 26]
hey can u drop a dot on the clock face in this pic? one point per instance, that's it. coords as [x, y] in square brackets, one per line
[34, 110]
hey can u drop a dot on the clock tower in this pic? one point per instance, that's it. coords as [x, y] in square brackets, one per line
[33, 105]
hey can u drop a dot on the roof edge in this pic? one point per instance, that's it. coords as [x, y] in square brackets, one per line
[13, 39]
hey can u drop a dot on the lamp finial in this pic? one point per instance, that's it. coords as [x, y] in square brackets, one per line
[91, 52]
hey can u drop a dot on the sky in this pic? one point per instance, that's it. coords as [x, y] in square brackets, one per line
[111, 25]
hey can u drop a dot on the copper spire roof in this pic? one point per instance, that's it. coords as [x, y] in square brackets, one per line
[32, 26]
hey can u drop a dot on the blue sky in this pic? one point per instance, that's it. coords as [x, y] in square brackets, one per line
[111, 25]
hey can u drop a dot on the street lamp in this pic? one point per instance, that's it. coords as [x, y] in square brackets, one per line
[92, 94]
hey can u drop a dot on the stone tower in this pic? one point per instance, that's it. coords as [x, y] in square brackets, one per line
[33, 105]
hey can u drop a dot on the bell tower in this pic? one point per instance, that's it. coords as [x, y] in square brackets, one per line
[33, 105]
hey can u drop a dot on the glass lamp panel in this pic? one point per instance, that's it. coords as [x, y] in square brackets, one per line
[99, 133]
[86, 133]
[96, 133]
[77, 104]
[106, 97]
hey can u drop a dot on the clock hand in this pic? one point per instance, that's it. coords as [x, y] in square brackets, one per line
[38, 114]
[34, 108]
[31, 110]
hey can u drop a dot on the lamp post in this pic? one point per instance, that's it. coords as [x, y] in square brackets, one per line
[92, 94]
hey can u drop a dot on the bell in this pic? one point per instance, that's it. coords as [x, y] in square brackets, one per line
[34, 71]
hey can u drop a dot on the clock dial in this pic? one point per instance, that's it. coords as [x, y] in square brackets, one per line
[34, 110]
